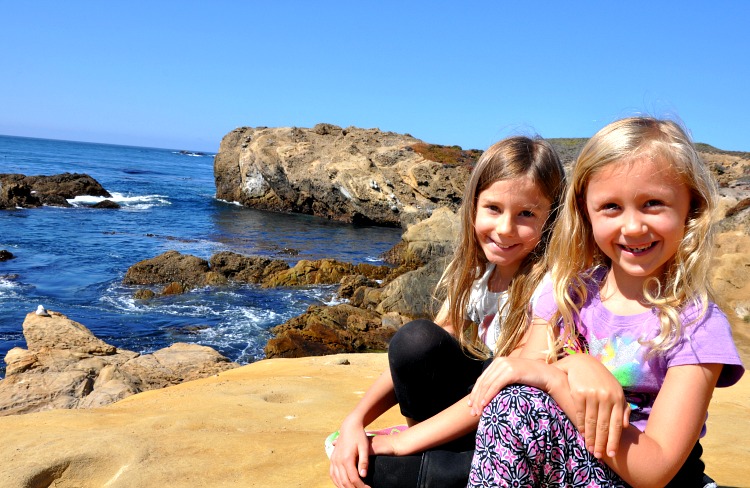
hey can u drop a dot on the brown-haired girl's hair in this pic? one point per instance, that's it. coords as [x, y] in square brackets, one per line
[511, 158]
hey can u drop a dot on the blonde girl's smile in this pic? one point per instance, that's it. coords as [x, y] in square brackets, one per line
[509, 220]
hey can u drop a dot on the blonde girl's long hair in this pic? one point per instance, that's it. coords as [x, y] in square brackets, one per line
[574, 253]
[511, 158]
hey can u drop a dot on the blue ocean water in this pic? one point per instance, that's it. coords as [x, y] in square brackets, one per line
[72, 260]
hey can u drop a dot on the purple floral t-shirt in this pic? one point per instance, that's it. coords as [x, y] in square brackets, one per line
[616, 341]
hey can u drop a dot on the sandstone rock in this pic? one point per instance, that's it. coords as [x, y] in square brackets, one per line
[352, 175]
[260, 425]
[59, 332]
[411, 294]
[350, 283]
[66, 366]
[431, 238]
[329, 330]
[366, 297]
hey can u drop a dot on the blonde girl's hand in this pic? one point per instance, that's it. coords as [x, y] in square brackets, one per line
[601, 411]
[350, 457]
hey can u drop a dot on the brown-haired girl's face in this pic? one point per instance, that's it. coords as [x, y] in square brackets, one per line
[509, 220]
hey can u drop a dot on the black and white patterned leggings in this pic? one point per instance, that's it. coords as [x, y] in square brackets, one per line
[525, 440]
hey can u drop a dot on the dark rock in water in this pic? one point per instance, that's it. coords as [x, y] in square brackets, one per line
[14, 195]
[5, 255]
[144, 294]
[32, 191]
[106, 204]
[169, 267]
[329, 330]
[248, 269]
[173, 288]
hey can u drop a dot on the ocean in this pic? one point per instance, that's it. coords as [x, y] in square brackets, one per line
[73, 260]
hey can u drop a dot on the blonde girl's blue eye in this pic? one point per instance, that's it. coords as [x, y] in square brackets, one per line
[526, 213]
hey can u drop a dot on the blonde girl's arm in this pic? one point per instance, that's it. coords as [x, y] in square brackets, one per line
[350, 458]
[653, 457]
[594, 401]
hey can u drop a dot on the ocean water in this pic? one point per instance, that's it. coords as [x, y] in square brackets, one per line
[73, 260]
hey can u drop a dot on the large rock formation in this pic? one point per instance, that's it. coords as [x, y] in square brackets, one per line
[66, 366]
[351, 175]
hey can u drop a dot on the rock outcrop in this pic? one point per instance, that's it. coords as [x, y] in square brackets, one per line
[350, 175]
[18, 190]
[66, 366]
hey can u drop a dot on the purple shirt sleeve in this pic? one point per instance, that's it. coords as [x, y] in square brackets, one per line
[543, 303]
[708, 341]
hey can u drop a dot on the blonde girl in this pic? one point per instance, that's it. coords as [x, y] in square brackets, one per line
[630, 288]
[509, 205]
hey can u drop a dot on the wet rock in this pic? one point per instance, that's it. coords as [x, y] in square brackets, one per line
[247, 269]
[33, 191]
[106, 204]
[329, 330]
[169, 267]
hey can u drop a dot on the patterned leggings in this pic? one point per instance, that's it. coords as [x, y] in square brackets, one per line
[526, 440]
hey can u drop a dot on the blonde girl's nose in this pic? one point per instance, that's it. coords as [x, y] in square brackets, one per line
[633, 223]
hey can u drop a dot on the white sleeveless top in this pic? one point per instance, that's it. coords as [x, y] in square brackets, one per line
[483, 306]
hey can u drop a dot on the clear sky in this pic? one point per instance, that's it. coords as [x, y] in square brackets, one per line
[182, 74]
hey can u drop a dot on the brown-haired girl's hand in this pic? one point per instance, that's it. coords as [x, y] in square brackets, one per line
[350, 457]
[504, 371]
[601, 411]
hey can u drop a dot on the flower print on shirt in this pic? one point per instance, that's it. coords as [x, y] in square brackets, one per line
[622, 356]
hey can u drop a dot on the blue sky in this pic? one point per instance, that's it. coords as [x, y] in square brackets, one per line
[182, 74]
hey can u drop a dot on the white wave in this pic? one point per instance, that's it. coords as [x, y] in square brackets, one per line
[10, 289]
[335, 300]
[230, 202]
[140, 202]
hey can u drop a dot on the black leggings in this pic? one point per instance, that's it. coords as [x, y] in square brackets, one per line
[430, 372]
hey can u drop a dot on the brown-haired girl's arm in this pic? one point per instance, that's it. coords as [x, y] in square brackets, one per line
[452, 423]
[350, 459]
[653, 457]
